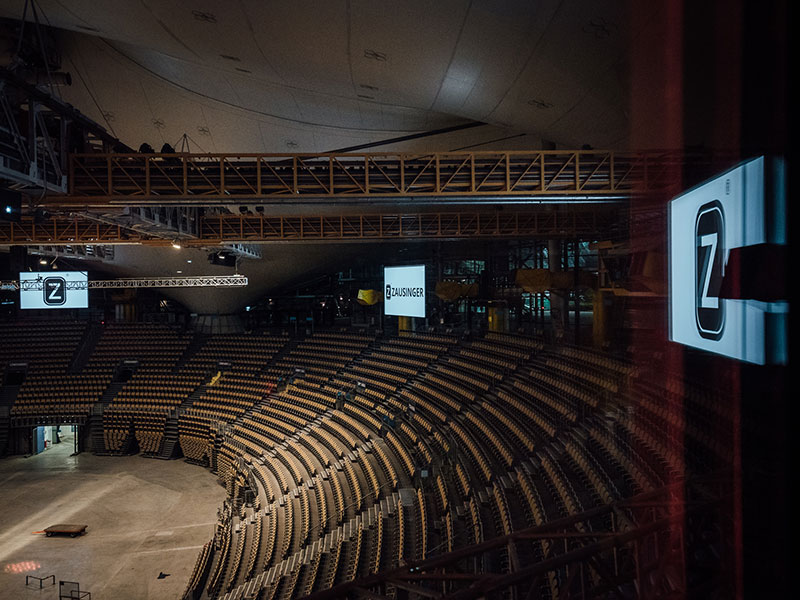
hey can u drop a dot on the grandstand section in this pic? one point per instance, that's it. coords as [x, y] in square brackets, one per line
[450, 440]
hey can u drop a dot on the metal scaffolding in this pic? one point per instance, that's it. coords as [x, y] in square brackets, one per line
[242, 229]
[225, 179]
[36, 133]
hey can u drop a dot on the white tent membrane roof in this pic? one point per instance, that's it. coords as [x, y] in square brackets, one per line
[314, 76]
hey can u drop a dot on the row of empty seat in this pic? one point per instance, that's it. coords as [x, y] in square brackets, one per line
[525, 475]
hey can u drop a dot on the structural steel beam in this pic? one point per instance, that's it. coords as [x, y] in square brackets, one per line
[36, 133]
[58, 231]
[67, 111]
[225, 229]
[218, 179]
[454, 225]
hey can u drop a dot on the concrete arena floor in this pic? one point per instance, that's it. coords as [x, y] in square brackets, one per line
[144, 516]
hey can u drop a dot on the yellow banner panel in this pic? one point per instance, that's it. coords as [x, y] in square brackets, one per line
[369, 297]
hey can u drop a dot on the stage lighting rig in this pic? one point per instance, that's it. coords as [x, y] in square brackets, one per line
[222, 258]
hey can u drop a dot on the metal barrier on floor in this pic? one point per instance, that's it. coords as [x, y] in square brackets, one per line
[41, 580]
[71, 590]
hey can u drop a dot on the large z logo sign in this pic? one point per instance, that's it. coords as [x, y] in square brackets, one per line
[709, 261]
[55, 291]
[727, 254]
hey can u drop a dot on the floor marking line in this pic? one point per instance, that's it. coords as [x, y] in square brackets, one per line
[168, 549]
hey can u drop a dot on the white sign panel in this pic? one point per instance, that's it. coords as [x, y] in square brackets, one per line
[404, 291]
[54, 289]
[705, 223]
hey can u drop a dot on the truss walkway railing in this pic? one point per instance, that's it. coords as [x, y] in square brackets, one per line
[199, 178]
[232, 228]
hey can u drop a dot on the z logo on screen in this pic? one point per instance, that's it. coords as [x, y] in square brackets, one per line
[388, 292]
[709, 249]
[55, 291]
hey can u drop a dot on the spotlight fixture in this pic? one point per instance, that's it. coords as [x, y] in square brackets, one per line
[11, 204]
[176, 244]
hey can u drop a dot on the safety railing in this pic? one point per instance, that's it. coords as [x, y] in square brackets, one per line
[201, 177]
[233, 228]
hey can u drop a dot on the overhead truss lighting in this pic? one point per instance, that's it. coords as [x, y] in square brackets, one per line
[143, 282]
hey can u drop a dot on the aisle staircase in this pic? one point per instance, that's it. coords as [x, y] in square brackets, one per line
[5, 423]
[87, 345]
[8, 395]
[94, 425]
[197, 343]
[170, 449]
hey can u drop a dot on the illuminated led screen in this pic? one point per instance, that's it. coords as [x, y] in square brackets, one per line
[705, 223]
[62, 289]
[404, 291]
